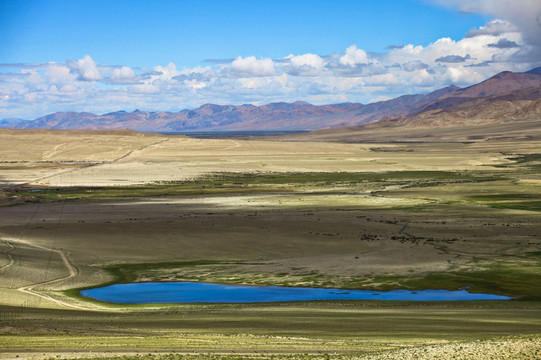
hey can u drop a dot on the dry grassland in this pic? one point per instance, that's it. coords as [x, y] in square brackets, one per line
[501, 349]
[449, 210]
[81, 159]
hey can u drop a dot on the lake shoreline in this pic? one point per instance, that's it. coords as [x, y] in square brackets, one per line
[209, 293]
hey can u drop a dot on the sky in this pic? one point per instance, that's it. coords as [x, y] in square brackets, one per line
[101, 56]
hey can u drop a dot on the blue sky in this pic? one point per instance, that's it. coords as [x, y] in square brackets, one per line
[103, 56]
[147, 33]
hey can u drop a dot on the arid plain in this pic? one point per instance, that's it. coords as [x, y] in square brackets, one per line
[378, 209]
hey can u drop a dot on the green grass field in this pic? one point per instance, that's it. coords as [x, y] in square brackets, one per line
[317, 326]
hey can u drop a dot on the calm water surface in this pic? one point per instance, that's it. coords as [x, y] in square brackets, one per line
[190, 292]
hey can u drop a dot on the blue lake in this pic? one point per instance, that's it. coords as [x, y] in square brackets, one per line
[191, 292]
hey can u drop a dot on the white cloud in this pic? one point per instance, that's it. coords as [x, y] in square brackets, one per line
[195, 85]
[252, 67]
[410, 49]
[445, 52]
[86, 69]
[32, 90]
[383, 79]
[144, 88]
[68, 88]
[421, 78]
[123, 74]
[304, 65]
[525, 15]
[59, 74]
[354, 56]
[311, 60]
[166, 73]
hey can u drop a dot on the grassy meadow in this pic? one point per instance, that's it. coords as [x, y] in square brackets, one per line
[447, 211]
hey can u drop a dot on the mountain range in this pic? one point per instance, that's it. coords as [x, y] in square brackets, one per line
[505, 96]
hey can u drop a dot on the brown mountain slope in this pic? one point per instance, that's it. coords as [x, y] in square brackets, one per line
[504, 96]
[210, 117]
[504, 83]
[459, 116]
[519, 105]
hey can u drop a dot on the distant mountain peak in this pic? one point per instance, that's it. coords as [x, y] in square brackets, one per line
[536, 71]
[302, 103]
[300, 115]
[208, 106]
[115, 113]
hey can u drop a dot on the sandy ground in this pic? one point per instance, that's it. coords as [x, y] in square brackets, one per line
[518, 348]
[72, 159]
[505, 349]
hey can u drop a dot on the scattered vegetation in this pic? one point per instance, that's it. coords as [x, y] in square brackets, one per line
[525, 158]
[223, 183]
[416, 215]
[508, 348]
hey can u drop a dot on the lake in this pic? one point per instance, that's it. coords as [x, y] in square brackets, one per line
[192, 292]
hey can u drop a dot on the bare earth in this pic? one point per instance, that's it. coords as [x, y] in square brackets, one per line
[82, 158]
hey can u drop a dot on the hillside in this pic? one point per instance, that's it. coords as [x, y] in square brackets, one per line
[504, 96]
[210, 117]
[504, 107]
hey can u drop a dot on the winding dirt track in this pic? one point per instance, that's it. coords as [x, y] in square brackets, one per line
[138, 149]
[41, 179]
[29, 289]
[8, 255]
[235, 145]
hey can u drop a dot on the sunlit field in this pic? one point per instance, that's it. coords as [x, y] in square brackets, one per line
[83, 209]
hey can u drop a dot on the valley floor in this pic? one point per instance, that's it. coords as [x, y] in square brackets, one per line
[79, 209]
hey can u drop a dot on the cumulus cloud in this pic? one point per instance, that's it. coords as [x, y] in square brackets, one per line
[525, 15]
[354, 56]
[123, 75]
[145, 88]
[165, 72]
[252, 67]
[86, 69]
[350, 74]
[311, 60]
[304, 65]
[58, 74]
[197, 74]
